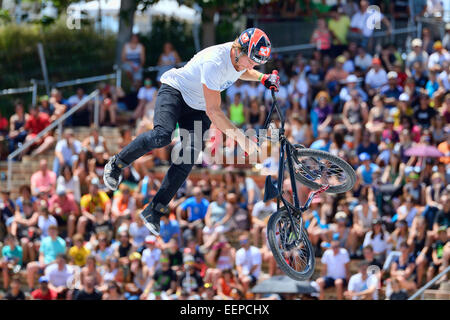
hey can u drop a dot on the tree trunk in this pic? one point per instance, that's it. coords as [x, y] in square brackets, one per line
[208, 28]
[126, 22]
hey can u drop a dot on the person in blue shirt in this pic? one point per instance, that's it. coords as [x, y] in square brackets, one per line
[170, 228]
[50, 247]
[12, 256]
[366, 169]
[391, 91]
[191, 213]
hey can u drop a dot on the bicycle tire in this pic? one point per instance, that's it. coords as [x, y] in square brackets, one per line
[347, 169]
[277, 254]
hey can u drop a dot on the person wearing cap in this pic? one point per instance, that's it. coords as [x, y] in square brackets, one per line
[362, 285]
[66, 150]
[44, 292]
[378, 238]
[391, 91]
[190, 279]
[151, 253]
[63, 207]
[335, 270]
[366, 169]
[146, 95]
[439, 55]
[375, 78]
[437, 264]
[351, 84]
[163, 280]
[417, 54]
[336, 74]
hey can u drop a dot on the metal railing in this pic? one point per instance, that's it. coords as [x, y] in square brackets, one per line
[421, 291]
[57, 123]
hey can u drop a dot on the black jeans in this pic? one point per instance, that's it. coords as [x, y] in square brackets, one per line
[170, 108]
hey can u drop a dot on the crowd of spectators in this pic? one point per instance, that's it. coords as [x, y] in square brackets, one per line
[70, 238]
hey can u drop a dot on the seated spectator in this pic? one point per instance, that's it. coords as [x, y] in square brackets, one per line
[81, 117]
[248, 262]
[38, 121]
[17, 131]
[439, 55]
[228, 285]
[90, 270]
[15, 293]
[44, 292]
[43, 180]
[164, 281]
[407, 211]
[260, 215]
[394, 172]
[222, 256]
[322, 111]
[403, 269]
[335, 270]
[236, 111]
[89, 292]
[375, 78]
[123, 205]
[391, 91]
[355, 115]
[24, 227]
[69, 182]
[367, 169]
[11, 259]
[147, 188]
[7, 210]
[362, 286]
[94, 140]
[151, 254]
[397, 292]
[138, 232]
[415, 188]
[25, 196]
[63, 207]
[191, 213]
[67, 151]
[79, 252]
[108, 106]
[59, 274]
[217, 217]
[4, 125]
[367, 145]
[113, 292]
[290, 9]
[124, 247]
[363, 59]
[190, 279]
[351, 84]
[377, 237]
[59, 106]
[424, 113]
[417, 54]
[133, 59]
[437, 265]
[48, 252]
[169, 228]
[399, 235]
[146, 95]
[369, 257]
[336, 75]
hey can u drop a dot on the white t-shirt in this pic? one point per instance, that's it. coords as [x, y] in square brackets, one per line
[73, 100]
[410, 215]
[375, 79]
[438, 58]
[146, 93]
[66, 152]
[445, 78]
[379, 245]
[73, 184]
[44, 224]
[58, 277]
[366, 21]
[151, 257]
[336, 263]
[249, 258]
[363, 62]
[138, 233]
[211, 66]
[261, 210]
[357, 284]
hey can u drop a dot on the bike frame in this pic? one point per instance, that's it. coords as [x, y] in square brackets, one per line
[287, 149]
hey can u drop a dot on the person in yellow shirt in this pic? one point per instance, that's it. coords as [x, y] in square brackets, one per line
[338, 25]
[78, 252]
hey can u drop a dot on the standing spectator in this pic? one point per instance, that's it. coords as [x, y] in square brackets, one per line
[248, 262]
[48, 252]
[43, 180]
[339, 25]
[335, 270]
[362, 286]
[67, 151]
[168, 59]
[44, 292]
[133, 59]
[321, 37]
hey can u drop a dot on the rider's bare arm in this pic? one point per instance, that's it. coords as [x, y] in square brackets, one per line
[251, 75]
[219, 119]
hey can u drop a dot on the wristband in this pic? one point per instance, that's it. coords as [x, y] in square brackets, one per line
[260, 77]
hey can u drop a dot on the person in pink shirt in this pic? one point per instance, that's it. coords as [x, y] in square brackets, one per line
[43, 180]
[64, 208]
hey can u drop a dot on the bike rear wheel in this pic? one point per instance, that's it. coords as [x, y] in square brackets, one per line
[295, 257]
[317, 168]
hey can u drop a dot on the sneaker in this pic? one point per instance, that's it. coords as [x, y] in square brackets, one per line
[151, 216]
[112, 175]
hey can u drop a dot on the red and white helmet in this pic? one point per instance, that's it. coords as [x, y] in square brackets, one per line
[256, 44]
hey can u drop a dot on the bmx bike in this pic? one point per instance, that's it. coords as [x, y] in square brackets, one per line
[318, 170]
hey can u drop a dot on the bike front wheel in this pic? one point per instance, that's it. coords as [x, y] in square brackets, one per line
[317, 168]
[295, 257]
